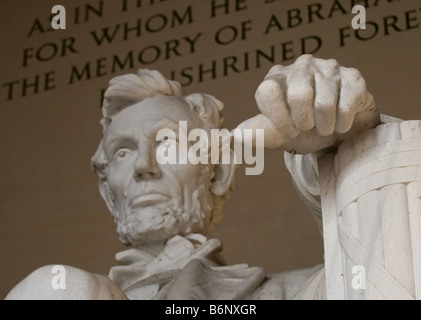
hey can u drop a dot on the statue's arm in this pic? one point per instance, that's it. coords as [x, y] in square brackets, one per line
[65, 283]
[310, 107]
[305, 176]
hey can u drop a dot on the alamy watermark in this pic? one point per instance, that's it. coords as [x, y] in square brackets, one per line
[58, 282]
[59, 20]
[359, 21]
[198, 146]
[358, 281]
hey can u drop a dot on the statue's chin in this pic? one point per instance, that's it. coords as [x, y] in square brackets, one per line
[140, 226]
[149, 224]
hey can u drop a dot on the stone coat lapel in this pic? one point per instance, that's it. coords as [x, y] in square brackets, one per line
[183, 270]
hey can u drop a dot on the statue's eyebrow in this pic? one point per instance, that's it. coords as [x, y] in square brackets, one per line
[129, 137]
[164, 124]
[116, 138]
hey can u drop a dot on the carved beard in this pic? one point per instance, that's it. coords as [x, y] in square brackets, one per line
[156, 224]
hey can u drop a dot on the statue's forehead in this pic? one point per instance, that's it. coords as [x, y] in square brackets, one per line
[147, 114]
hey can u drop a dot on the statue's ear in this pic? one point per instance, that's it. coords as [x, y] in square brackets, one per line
[107, 195]
[223, 176]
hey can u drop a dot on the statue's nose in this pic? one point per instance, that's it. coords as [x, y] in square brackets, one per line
[146, 165]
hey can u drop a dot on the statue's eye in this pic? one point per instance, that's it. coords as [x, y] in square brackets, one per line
[122, 153]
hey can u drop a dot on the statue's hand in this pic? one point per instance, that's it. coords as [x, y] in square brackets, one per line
[311, 105]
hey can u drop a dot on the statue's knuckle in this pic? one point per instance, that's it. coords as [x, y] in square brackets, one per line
[277, 71]
[353, 75]
[267, 87]
[302, 93]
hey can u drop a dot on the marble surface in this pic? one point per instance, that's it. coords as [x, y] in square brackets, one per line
[167, 213]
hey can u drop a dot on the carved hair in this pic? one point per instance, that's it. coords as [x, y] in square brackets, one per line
[126, 90]
[129, 89]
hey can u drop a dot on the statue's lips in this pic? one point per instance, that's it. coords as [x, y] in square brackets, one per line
[148, 200]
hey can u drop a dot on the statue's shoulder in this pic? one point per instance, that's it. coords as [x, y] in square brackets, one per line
[61, 282]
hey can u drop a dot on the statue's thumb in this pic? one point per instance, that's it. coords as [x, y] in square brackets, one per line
[246, 132]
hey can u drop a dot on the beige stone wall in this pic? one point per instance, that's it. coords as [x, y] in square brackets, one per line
[50, 208]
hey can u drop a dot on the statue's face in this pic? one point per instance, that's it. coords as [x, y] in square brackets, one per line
[151, 201]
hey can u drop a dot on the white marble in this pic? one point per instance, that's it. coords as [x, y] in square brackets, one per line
[364, 195]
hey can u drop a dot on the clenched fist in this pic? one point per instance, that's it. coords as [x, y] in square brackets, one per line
[311, 105]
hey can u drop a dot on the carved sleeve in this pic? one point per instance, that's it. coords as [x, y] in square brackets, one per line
[305, 176]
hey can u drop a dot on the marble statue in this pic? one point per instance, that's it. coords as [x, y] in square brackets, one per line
[352, 166]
